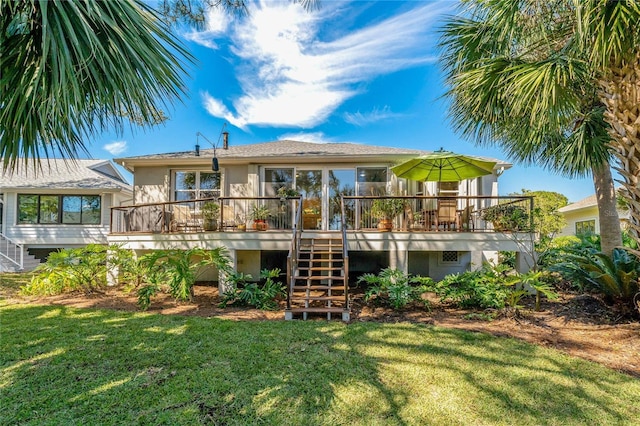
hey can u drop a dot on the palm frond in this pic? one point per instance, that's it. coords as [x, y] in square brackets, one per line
[70, 70]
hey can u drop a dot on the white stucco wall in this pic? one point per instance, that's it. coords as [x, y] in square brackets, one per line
[151, 185]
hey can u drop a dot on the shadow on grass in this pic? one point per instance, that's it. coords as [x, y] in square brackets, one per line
[72, 366]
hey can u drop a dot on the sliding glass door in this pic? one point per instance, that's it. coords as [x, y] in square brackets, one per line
[309, 185]
[340, 182]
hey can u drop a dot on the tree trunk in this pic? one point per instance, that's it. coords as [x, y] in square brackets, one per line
[610, 235]
[621, 95]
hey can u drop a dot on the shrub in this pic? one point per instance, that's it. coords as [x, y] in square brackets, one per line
[486, 288]
[393, 288]
[242, 292]
[536, 280]
[615, 277]
[173, 271]
[70, 270]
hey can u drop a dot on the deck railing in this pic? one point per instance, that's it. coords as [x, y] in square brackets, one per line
[399, 213]
[12, 251]
[231, 214]
[292, 257]
[444, 213]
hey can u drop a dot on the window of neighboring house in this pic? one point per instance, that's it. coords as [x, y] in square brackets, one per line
[55, 209]
[372, 181]
[586, 227]
[192, 185]
[276, 178]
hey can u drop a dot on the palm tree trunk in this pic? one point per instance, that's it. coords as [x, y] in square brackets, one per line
[621, 95]
[610, 235]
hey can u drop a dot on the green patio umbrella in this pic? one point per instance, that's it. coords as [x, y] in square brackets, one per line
[444, 166]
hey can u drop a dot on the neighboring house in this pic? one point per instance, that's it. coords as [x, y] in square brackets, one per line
[582, 217]
[168, 213]
[62, 204]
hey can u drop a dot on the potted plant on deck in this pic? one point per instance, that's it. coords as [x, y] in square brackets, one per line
[210, 215]
[259, 214]
[385, 210]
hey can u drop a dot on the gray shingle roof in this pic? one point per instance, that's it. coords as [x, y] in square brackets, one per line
[589, 201]
[62, 174]
[288, 149]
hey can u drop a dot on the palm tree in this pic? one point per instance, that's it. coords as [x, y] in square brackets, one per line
[194, 12]
[71, 69]
[522, 77]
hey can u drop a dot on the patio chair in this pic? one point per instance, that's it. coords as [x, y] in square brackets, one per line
[184, 221]
[446, 214]
[228, 217]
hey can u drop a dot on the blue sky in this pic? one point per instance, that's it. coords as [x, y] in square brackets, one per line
[353, 71]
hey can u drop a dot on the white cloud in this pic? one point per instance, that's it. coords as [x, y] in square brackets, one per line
[315, 137]
[115, 148]
[361, 119]
[203, 38]
[290, 77]
[217, 23]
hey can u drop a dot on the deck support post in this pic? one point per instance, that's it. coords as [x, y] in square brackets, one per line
[113, 271]
[222, 276]
[524, 262]
[399, 259]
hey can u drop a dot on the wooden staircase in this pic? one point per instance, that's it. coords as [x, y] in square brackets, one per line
[319, 279]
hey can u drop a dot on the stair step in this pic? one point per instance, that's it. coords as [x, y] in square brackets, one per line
[317, 310]
[318, 287]
[321, 246]
[296, 298]
[318, 278]
[319, 268]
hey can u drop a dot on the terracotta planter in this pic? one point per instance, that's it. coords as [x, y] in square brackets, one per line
[385, 225]
[260, 225]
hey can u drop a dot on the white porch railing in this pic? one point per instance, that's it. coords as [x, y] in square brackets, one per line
[12, 251]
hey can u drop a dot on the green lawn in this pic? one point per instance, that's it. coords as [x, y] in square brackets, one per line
[62, 366]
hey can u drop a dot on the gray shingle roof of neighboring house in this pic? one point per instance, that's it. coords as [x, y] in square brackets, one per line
[65, 174]
[290, 150]
[589, 201]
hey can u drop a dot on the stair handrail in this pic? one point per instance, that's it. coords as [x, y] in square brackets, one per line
[17, 248]
[292, 257]
[345, 251]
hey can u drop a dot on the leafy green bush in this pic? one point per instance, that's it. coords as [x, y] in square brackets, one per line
[615, 277]
[70, 270]
[241, 292]
[175, 271]
[488, 287]
[393, 288]
[538, 281]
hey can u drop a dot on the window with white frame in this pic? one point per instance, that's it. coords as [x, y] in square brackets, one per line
[276, 178]
[448, 188]
[195, 184]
